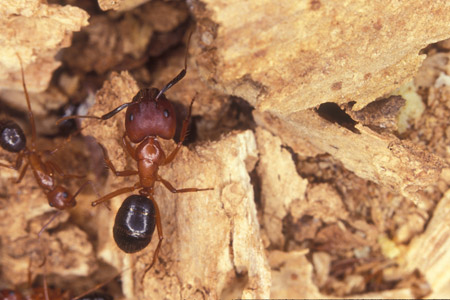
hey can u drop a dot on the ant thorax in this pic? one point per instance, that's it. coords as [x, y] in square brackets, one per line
[149, 156]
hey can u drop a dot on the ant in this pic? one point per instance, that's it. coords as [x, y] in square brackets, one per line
[149, 116]
[13, 140]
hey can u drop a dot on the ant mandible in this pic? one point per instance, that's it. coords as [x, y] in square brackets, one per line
[149, 116]
[12, 139]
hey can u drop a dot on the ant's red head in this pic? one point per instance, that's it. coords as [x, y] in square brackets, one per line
[60, 198]
[147, 116]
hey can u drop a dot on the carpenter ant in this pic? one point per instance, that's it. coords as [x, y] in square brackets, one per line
[12, 139]
[149, 116]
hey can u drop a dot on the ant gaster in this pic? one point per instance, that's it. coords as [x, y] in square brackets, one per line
[149, 116]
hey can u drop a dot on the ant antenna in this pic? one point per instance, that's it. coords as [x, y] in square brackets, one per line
[30, 112]
[180, 75]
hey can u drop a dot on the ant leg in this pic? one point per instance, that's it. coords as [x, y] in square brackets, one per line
[172, 155]
[116, 193]
[44, 263]
[160, 235]
[186, 190]
[131, 151]
[110, 165]
[19, 160]
[48, 223]
[8, 166]
[22, 173]
[55, 168]
[17, 164]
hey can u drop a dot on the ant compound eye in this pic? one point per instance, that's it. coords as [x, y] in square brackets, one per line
[166, 113]
[51, 204]
[131, 117]
[65, 195]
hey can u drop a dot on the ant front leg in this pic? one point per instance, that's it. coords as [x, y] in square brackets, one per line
[126, 143]
[185, 190]
[110, 165]
[183, 134]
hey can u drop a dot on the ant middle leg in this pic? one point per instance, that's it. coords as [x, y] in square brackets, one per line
[185, 190]
[110, 165]
[128, 147]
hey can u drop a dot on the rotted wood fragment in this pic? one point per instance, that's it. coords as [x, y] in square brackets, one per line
[429, 251]
[381, 113]
[36, 31]
[281, 186]
[121, 41]
[312, 52]
[383, 159]
[120, 4]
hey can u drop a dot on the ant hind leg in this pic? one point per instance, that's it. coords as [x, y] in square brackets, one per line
[185, 190]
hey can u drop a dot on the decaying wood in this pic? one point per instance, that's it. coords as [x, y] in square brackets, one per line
[382, 159]
[120, 4]
[300, 63]
[281, 186]
[429, 251]
[311, 52]
[36, 31]
[305, 204]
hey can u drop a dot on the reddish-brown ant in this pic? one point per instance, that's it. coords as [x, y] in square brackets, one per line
[12, 139]
[149, 116]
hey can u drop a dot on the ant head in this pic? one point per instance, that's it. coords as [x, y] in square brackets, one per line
[12, 138]
[60, 198]
[150, 117]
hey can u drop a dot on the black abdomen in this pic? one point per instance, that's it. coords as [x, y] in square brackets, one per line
[134, 224]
